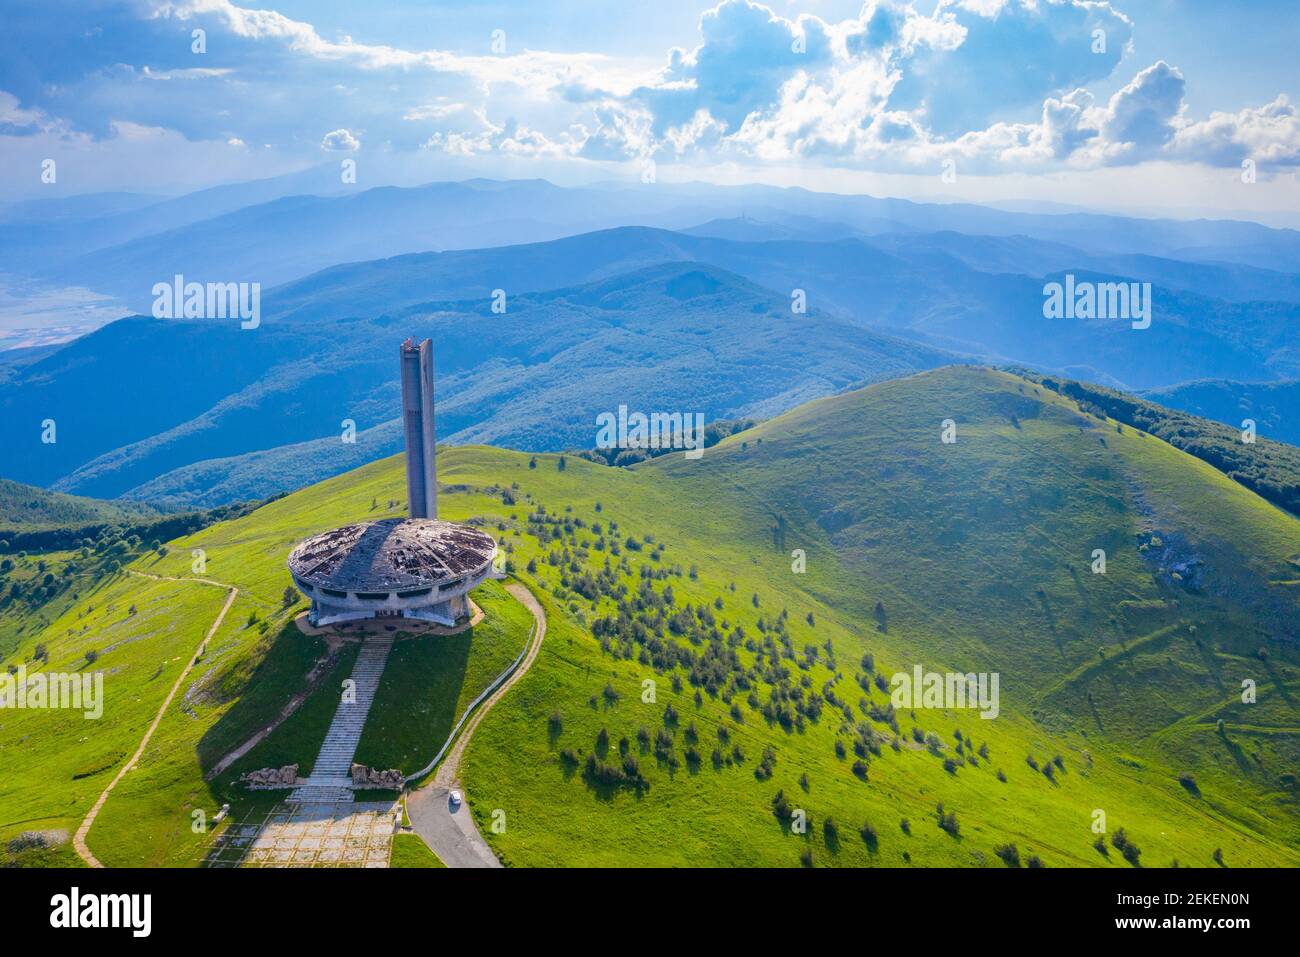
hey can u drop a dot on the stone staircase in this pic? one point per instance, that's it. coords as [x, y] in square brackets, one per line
[330, 781]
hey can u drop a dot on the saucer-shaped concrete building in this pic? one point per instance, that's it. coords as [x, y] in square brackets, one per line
[417, 567]
[393, 568]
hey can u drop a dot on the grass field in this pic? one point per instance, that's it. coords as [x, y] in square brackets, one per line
[428, 684]
[700, 693]
[409, 850]
[979, 554]
[145, 627]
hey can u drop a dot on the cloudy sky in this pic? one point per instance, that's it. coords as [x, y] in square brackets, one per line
[1145, 105]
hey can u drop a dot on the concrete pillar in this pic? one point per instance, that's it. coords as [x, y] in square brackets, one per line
[418, 422]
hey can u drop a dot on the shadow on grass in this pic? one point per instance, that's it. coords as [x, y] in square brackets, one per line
[261, 692]
[417, 703]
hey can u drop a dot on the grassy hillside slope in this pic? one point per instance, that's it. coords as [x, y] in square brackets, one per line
[979, 555]
[146, 620]
[734, 690]
[27, 507]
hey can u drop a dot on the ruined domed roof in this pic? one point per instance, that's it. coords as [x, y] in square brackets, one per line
[391, 553]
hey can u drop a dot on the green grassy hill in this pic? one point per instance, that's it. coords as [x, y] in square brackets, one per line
[695, 690]
[27, 507]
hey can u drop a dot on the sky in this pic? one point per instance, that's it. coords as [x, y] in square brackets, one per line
[1179, 107]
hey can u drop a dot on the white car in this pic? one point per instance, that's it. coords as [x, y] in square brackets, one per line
[455, 798]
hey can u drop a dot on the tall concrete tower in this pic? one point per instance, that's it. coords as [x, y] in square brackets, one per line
[417, 417]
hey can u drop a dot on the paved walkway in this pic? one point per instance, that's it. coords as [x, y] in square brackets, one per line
[450, 831]
[309, 835]
[331, 774]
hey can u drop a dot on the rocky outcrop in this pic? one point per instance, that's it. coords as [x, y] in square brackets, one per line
[264, 778]
[1174, 559]
[36, 839]
[364, 777]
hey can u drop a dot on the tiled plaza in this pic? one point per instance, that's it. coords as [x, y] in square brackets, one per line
[309, 835]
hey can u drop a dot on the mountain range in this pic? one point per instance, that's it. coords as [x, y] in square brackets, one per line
[709, 314]
[274, 230]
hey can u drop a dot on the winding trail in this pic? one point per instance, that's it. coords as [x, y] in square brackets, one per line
[79, 840]
[450, 832]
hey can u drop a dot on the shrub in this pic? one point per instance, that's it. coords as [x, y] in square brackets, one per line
[869, 836]
[601, 774]
[1009, 853]
[1126, 847]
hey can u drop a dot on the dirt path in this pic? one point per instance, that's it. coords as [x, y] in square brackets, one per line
[314, 678]
[79, 840]
[294, 703]
[450, 831]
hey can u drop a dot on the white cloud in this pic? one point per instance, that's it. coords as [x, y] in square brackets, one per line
[340, 141]
[1268, 134]
[13, 116]
[191, 73]
[1143, 116]
[529, 70]
[998, 85]
[511, 138]
[892, 85]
